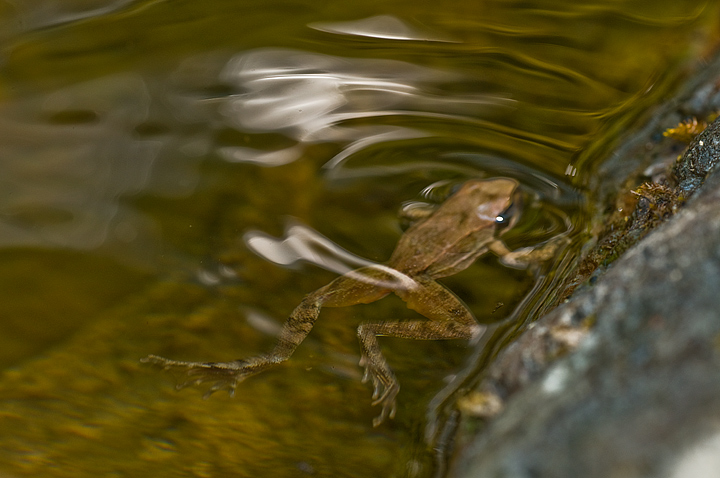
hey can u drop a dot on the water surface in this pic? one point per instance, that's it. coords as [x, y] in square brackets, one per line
[140, 142]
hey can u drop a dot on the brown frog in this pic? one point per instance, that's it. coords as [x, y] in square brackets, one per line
[465, 226]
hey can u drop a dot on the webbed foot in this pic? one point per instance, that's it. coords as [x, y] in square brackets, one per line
[225, 375]
[385, 389]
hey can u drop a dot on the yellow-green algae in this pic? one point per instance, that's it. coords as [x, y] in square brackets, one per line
[88, 408]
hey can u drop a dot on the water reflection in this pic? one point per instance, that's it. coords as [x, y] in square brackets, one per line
[302, 243]
[381, 26]
[35, 15]
[313, 98]
[67, 158]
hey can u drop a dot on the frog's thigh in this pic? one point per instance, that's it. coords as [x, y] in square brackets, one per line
[449, 317]
[343, 291]
[346, 291]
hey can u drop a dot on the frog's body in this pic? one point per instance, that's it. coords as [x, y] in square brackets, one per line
[465, 226]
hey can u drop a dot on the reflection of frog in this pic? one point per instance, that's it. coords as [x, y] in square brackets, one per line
[464, 227]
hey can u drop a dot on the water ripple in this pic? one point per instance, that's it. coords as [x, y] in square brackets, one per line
[314, 98]
[385, 27]
[303, 244]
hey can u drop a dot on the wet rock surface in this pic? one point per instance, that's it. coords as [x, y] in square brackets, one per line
[700, 159]
[624, 379]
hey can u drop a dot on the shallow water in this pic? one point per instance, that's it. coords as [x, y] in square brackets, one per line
[143, 144]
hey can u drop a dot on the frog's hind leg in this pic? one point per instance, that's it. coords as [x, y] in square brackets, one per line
[449, 319]
[341, 292]
[224, 375]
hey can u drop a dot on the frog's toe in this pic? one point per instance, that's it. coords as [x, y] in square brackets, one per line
[230, 384]
[384, 394]
[368, 374]
[385, 389]
[389, 407]
[388, 393]
[225, 375]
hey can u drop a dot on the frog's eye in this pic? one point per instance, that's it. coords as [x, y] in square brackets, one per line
[502, 220]
[507, 217]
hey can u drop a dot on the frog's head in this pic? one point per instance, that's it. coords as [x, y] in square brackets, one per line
[497, 200]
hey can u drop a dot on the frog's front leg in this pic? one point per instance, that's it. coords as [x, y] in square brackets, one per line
[526, 256]
[449, 319]
[341, 292]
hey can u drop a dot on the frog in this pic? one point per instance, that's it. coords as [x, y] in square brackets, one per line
[469, 223]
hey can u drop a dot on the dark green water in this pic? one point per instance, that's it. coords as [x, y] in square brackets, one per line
[139, 142]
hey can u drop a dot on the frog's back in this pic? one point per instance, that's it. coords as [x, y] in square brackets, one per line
[422, 248]
[457, 233]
